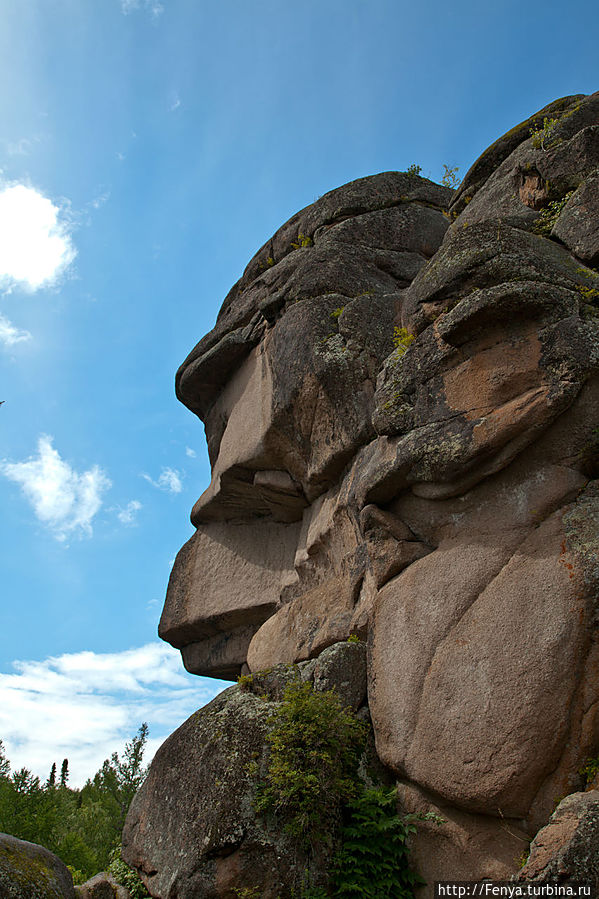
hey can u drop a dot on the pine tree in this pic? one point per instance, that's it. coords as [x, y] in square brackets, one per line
[51, 782]
[64, 773]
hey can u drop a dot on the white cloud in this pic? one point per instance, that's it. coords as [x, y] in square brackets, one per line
[175, 102]
[84, 706]
[128, 515]
[62, 499]
[35, 242]
[169, 480]
[154, 7]
[9, 334]
[190, 452]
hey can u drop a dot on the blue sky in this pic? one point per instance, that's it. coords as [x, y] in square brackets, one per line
[147, 150]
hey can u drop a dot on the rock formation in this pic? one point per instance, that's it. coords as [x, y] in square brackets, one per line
[401, 403]
[102, 886]
[567, 850]
[28, 871]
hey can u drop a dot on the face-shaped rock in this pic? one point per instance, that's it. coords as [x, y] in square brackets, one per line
[401, 405]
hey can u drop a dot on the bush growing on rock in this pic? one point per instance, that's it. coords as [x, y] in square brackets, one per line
[315, 748]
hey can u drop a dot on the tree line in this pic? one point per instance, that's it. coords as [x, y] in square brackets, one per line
[81, 826]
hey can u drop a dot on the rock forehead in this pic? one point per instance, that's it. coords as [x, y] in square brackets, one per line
[401, 407]
[370, 234]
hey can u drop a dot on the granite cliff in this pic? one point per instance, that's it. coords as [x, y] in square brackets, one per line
[401, 404]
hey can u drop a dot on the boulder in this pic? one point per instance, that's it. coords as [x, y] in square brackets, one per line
[450, 844]
[192, 830]
[102, 886]
[28, 871]
[566, 850]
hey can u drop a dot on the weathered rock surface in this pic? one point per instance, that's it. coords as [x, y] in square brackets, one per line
[455, 843]
[28, 871]
[401, 397]
[192, 830]
[567, 849]
[102, 886]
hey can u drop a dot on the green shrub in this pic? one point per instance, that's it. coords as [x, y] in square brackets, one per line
[590, 769]
[550, 214]
[303, 240]
[589, 294]
[126, 876]
[413, 170]
[315, 747]
[402, 340]
[543, 137]
[78, 876]
[450, 176]
[314, 790]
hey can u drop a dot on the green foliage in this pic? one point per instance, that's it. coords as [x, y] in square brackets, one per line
[315, 747]
[303, 240]
[590, 769]
[268, 264]
[413, 170]
[543, 138]
[118, 780]
[245, 681]
[126, 876]
[82, 826]
[549, 215]
[402, 340]
[450, 176]
[78, 876]
[337, 312]
[523, 858]
[374, 858]
[4, 763]
[590, 294]
[353, 638]
[64, 773]
[313, 789]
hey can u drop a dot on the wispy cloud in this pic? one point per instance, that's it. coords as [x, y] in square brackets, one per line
[169, 480]
[154, 7]
[190, 452]
[100, 200]
[35, 240]
[83, 706]
[21, 147]
[63, 500]
[9, 334]
[128, 515]
[175, 102]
